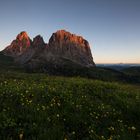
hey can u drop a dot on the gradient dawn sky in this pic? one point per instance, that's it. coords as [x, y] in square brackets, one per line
[112, 27]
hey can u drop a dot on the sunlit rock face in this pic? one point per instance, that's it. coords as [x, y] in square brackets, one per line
[63, 50]
[33, 52]
[70, 46]
[19, 45]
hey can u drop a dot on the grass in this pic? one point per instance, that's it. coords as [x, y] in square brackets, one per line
[41, 107]
[133, 71]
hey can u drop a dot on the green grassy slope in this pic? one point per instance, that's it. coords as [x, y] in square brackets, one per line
[104, 107]
[45, 107]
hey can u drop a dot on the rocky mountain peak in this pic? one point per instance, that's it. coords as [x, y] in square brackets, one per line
[68, 37]
[19, 45]
[38, 41]
[71, 46]
[64, 48]
[22, 35]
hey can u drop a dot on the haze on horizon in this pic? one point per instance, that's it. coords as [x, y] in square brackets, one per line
[112, 27]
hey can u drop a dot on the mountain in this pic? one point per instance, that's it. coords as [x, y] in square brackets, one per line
[119, 66]
[63, 50]
[38, 41]
[133, 70]
[19, 45]
[70, 46]
[34, 51]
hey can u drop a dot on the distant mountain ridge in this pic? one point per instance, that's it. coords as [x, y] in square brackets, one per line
[62, 48]
[119, 66]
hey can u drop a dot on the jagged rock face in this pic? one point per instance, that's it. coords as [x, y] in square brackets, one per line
[19, 45]
[71, 47]
[34, 51]
[63, 50]
[38, 42]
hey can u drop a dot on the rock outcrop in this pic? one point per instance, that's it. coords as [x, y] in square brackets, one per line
[72, 47]
[19, 45]
[33, 52]
[38, 42]
[63, 49]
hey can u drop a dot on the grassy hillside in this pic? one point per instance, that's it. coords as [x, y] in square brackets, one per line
[103, 105]
[42, 107]
[70, 69]
[7, 63]
[130, 75]
[5, 60]
[132, 71]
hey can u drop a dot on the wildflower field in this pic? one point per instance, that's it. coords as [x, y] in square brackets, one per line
[41, 107]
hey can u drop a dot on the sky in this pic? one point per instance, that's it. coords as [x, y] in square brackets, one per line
[112, 27]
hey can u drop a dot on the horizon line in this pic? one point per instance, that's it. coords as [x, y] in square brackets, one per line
[117, 63]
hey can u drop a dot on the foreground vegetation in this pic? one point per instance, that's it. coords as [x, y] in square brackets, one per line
[41, 107]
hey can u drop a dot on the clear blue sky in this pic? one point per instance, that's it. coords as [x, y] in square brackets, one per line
[112, 27]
